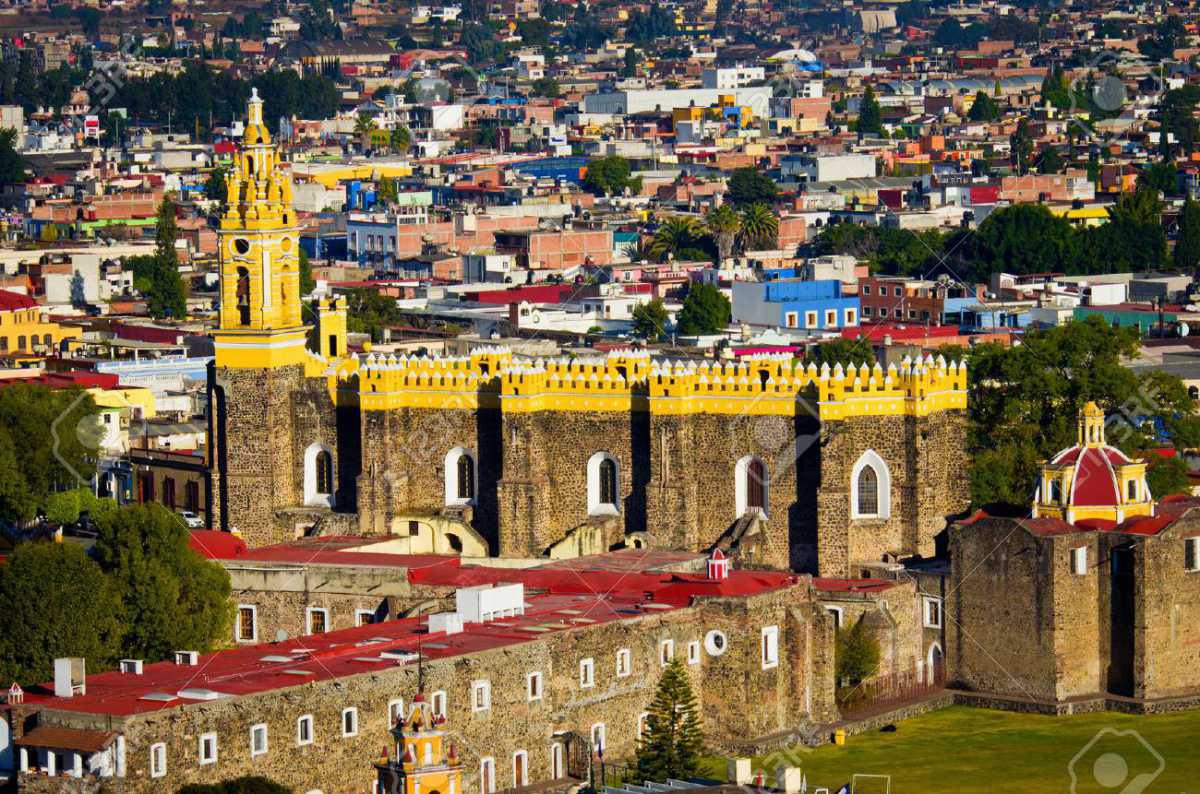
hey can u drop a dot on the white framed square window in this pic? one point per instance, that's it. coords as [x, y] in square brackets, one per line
[770, 647]
[932, 612]
[437, 703]
[246, 628]
[258, 739]
[350, 721]
[533, 686]
[1191, 554]
[208, 748]
[587, 673]
[395, 711]
[317, 620]
[791, 319]
[810, 319]
[363, 617]
[158, 760]
[693, 652]
[830, 317]
[666, 652]
[851, 317]
[304, 730]
[838, 616]
[481, 695]
[624, 663]
[1079, 562]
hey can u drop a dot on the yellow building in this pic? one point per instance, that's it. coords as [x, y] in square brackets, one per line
[423, 761]
[1091, 480]
[23, 329]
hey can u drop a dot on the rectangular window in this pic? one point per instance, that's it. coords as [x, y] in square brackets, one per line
[624, 665]
[587, 673]
[247, 623]
[1079, 562]
[437, 703]
[831, 317]
[866, 310]
[208, 748]
[666, 651]
[836, 613]
[851, 317]
[883, 312]
[481, 696]
[810, 319]
[487, 775]
[694, 652]
[533, 686]
[791, 319]
[898, 292]
[1191, 554]
[866, 290]
[304, 730]
[258, 740]
[933, 613]
[770, 647]
[1132, 490]
[350, 722]
[158, 760]
[318, 621]
[363, 617]
[912, 315]
[395, 711]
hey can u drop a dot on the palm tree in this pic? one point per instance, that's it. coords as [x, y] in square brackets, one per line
[760, 226]
[400, 139]
[723, 224]
[676, 233]
[363, 126]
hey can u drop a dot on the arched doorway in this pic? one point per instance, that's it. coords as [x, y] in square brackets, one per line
[751, 486]
[935, 663]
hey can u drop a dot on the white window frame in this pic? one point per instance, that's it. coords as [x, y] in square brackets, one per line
[810, 319]
[716, 643]
[600, 730]
[478, 686]
[851, 317]
[926, 604]
[769, 647]
[207, 737]
[791, 320]
[693, 652]
[395, 711]
[439, 695]
[1194, 545]
[530, 678]
[487, 775]
[451, 477]
[158, 760]
[666, 652]
[831, 316]
[358, 613]
[262, 726]
[883, 476]
[524, 781]
[625, 670]
[595, 506]
[308, 614]
[352, 713]
[312, 730]
[587, 673]
[1079, 561]
[839, 616]
[237, 629]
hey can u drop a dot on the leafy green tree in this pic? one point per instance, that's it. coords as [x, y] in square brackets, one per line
[629, 65]
[13, 167]
[400, 138]
[705, 310]
[870, 116]
[57, 602]
[545, 87]
[1187, 243]
[1021, 146]
[1133, 238]
[65, 507]
[368, 312]
[760, 227]
[672, 744]
[650, 319]
[841, 351]
[173, 597]
[676, 234]
[723, 223]
[215, 187]
[609, 176]
[750, 186]
[1056, 89]
[1019, 239]
[1167, 476]
[166, 296]
[364, 125]
[26, 86]
[78, 291]
[307, 282]
[241, 785]
[1168, 36]
[984, 108]
[1049, 161]
[1159, 176]
[856, 654]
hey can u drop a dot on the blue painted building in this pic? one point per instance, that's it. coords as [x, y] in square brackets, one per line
[790, 303]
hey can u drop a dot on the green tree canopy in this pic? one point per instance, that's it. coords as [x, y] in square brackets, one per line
[856, 654]
[984, 108]
[166, 295]
[174, 598]
[650, 319]
[1187, 244]
[673, 742]
[57, 602]
[870, 117]
[750, 186]
[13, 167]
[705, 310]
[369, 312]
[609, 176]
[760, 227]
[841, 351]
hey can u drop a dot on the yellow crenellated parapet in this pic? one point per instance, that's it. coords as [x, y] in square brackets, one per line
[632, 380]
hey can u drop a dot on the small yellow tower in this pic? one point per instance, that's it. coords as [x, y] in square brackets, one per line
[423, 761]
[260, 323]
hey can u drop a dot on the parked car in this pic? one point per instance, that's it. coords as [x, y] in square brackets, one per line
[192, 520]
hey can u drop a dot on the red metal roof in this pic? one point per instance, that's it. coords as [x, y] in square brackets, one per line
[14, 301]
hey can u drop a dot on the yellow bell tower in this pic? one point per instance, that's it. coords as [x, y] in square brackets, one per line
[260, 325]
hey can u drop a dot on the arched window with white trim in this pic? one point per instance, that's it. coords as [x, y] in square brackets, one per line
[462, 474]
[751, 486]
[603, 485]
[318, 476]
[870, 487]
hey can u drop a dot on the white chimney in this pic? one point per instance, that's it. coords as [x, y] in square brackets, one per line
[189, 658]
[69, 677]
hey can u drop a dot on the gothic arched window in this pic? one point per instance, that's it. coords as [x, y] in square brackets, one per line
[466, 477]
[868, 491]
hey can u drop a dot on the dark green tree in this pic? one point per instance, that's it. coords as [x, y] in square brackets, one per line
[650, 320]
[856, 654]
[166, 296]
[1133, 238]
[629, 66]
[307, 282]
[174, 598]
[1159, 176]
[1021, 146]
[13, 167]
[750, 186]
[1049, 161]
[984, 108]
[1187, 243]
[1167, 476]
[672, 744]
[57, 603]
[25, 88]
[216, 188]
[1022, 238]
[369, 312]
[870, 116]
[841, 351]
[609, 176]
[705, 310]
[1056, 89]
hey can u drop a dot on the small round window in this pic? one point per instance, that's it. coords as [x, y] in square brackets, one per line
[241, 245]
[286, 244]
[715, 643]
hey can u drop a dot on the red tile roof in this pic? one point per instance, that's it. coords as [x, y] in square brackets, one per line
[13, 301]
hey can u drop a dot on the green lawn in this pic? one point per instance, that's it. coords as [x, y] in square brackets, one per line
[965, 749]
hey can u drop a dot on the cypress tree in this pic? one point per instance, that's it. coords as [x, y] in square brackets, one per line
[1187, 245]
[672, 743]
